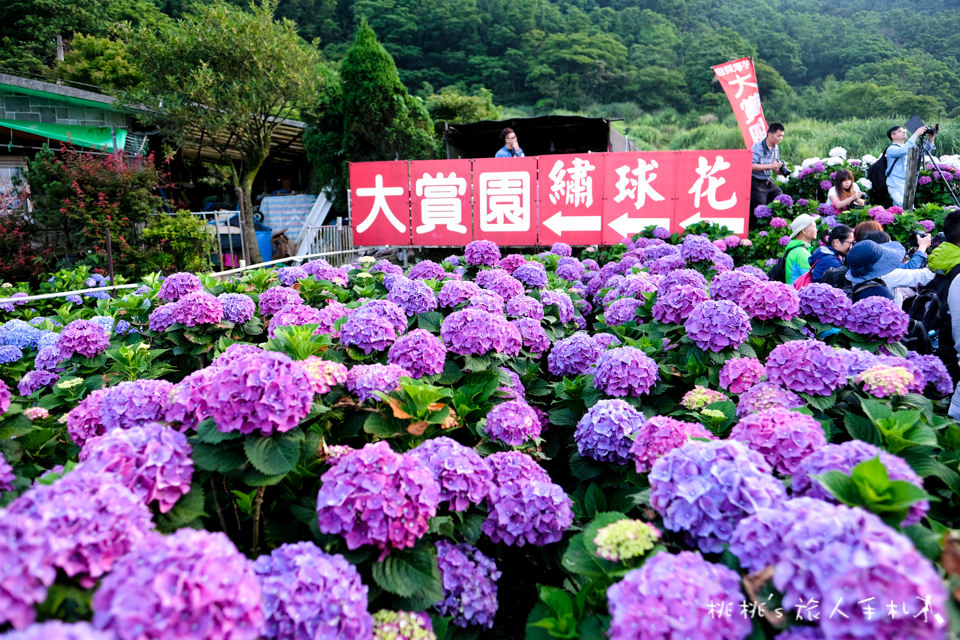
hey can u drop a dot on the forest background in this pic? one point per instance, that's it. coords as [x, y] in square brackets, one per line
[837, 73]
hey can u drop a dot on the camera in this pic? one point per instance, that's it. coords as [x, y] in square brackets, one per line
[930, 131]
[785, 171]
[914, 236]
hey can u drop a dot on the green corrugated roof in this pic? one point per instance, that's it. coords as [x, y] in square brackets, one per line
[97, 137]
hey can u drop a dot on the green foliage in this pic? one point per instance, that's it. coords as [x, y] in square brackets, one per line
[79, 196]
[454, 106]
[181, 242]
[233, 74]
[366, 115]
[99, 61]
[869, 486]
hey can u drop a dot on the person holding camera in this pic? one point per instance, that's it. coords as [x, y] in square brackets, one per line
[900, 146]
[845, 193]
[766, 158]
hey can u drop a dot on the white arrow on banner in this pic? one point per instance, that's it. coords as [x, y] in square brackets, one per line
[734, 224]
[626, 226]
[558, 224]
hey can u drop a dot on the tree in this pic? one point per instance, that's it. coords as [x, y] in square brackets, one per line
[454, 106]
[98, 61]
[367, 115]
[230, 76]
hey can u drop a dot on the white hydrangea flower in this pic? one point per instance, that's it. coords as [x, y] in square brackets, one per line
[833, 161]
[838, 152]
[865, 184]
[782, 179]
[868, 159]
[809, 162]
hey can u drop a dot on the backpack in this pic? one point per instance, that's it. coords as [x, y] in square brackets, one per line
[837, 277]
[807, 278]
[877, 173]
[930, 311]
[778, 272]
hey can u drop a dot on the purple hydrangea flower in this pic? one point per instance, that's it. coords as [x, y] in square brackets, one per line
[426, 270]
[687, 277]
[784, 199]
[385, 266]
[177, 285]
[56, 630]
[825, 304]
[739, 374]
[289, 276]
[512, 422]
[10, 353]
[321, 270]
[806, 366]
[570, 271]
[485, 277]
[133, 403]
[237, 307]
[697, 248]
[534, 337]
[573, 356]
[477, 332]
[469, 585]
[4, 397]
[378, 497]
[660, 434]
[783, 240]
[266, 392]
[151, 460]
[524, 506]
[510, 262]
[89, 521]
[488, 301]
[605, 432]
[274, 299]
[934, 372]
[928, 225]
[762, 211]
[766, 395]
[715, 325]
[413, 296]
[844, 457]
[837, 554]
[35, 380]
[781, 436]
[771, 301]
[857, 360]
[456, 292]
[524, 307]
[27, 570]
[675, 304]
[374, 326]
[294, 315]
[482, 253]
[7, 476]
[308, 593]
[666, 264]
[419, 352]
[706, 488]
[561, 301]
[606, 340]
[684, 582]
[625, 371]
[365, 380]
[463, 476]
[503, 284]
[216, 595]
[878, 318]
[661, 233]
[561, 249]
[532, 274]
[621, 311]
[881, 215]
[826, 209]
[778, 222]
[196, 308]
[161, 318]
[83, 337]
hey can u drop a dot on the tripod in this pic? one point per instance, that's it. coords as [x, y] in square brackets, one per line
[925, 154]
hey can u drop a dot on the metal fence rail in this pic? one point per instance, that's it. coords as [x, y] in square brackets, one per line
[333, 240]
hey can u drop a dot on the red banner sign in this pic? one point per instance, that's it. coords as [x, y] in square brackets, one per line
[739, 82]
[578, 199]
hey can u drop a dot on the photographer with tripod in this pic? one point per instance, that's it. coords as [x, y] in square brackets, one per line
[900, 146]
[766, 158]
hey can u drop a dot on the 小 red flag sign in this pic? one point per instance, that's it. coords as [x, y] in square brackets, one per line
[739, 80]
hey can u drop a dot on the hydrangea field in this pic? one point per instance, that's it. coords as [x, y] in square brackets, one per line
[644, 441]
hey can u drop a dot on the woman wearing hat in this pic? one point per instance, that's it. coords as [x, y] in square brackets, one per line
[803, 231]
[869, 262]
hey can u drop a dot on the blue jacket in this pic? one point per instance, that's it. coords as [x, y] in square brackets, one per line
[822, 260]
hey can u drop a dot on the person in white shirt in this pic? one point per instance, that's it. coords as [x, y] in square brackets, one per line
[844, 193]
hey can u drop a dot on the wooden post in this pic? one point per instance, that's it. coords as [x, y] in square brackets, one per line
[912, 168]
